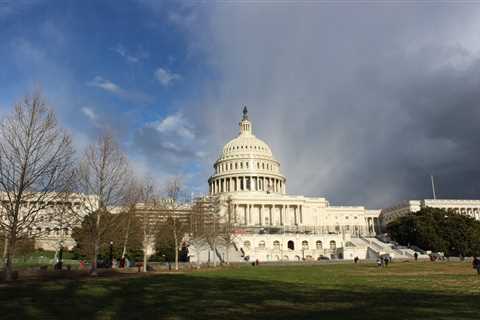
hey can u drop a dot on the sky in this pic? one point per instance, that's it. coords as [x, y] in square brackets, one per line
[359, 101]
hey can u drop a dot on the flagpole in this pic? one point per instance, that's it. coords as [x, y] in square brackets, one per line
[433, 188]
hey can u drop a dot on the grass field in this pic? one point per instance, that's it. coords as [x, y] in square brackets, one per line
[422, 290]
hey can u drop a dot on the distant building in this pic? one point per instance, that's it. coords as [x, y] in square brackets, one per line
[56, 218]
[466, 207]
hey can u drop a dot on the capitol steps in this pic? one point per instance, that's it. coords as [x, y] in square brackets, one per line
[377, 248]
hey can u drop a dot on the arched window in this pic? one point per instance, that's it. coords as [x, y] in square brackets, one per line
[276, 244]
[305, 245]
[263, 165]
[291, 245]
[333, 245]
[319, 244]
[261, 244]
[246, 244]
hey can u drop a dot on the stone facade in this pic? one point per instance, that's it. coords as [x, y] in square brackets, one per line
[271, 225]
[467, 207]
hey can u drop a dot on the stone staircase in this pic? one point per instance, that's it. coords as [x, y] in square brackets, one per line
[376, 248]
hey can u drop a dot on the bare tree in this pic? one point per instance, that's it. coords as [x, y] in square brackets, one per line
[214, 227]
[132, 198]
[199, 222]
[173, 205]
[148, 215]
[103, 177]
[35, 169]
[227, 234]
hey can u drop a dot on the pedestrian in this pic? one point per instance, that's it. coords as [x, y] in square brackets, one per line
[386, 261]
[355, 260]
[415, 256]
[476, 264]
[379, 262]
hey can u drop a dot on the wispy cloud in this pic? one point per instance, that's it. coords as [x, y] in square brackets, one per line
[175, 123]
[109, 86]
[9, 7]
[89, 113]
[166, 77]
[104, 84]
[129, 56]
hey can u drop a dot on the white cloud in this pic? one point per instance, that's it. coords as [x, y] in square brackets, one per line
[89, 113]
[130, 57]
[175, 123]
[104, 84]
[166, 77]
[107, 85]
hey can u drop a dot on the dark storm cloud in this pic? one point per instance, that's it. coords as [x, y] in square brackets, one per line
[359, 104]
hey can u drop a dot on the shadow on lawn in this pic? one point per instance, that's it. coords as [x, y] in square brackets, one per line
[197, 297]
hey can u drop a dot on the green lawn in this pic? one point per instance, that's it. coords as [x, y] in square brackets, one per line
[422, 290]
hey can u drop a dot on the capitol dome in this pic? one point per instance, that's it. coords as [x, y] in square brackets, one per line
[246, 164]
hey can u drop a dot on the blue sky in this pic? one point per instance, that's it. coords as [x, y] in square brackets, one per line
[359, 103]
[127, 67]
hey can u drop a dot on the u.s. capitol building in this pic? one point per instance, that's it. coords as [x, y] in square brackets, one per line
[271, 225]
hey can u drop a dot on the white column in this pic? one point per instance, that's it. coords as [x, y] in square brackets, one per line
[270, 215]
[235, 213]
[282, 222]
[295, 218]
[245, 214]
[260, 214]
[249, 214]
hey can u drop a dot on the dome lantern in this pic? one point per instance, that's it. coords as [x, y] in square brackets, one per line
[245, 124]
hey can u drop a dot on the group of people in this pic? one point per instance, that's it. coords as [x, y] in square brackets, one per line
[476, 264]
[384, 261]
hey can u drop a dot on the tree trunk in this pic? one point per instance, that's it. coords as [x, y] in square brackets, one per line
[214, 253]
[96, 246]
[145, 246]
[5, 248]
[12, 241]
[198, 257]
[176, 252]
[93, 269]
[144, 260]
[227, 254]
[124, 251]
